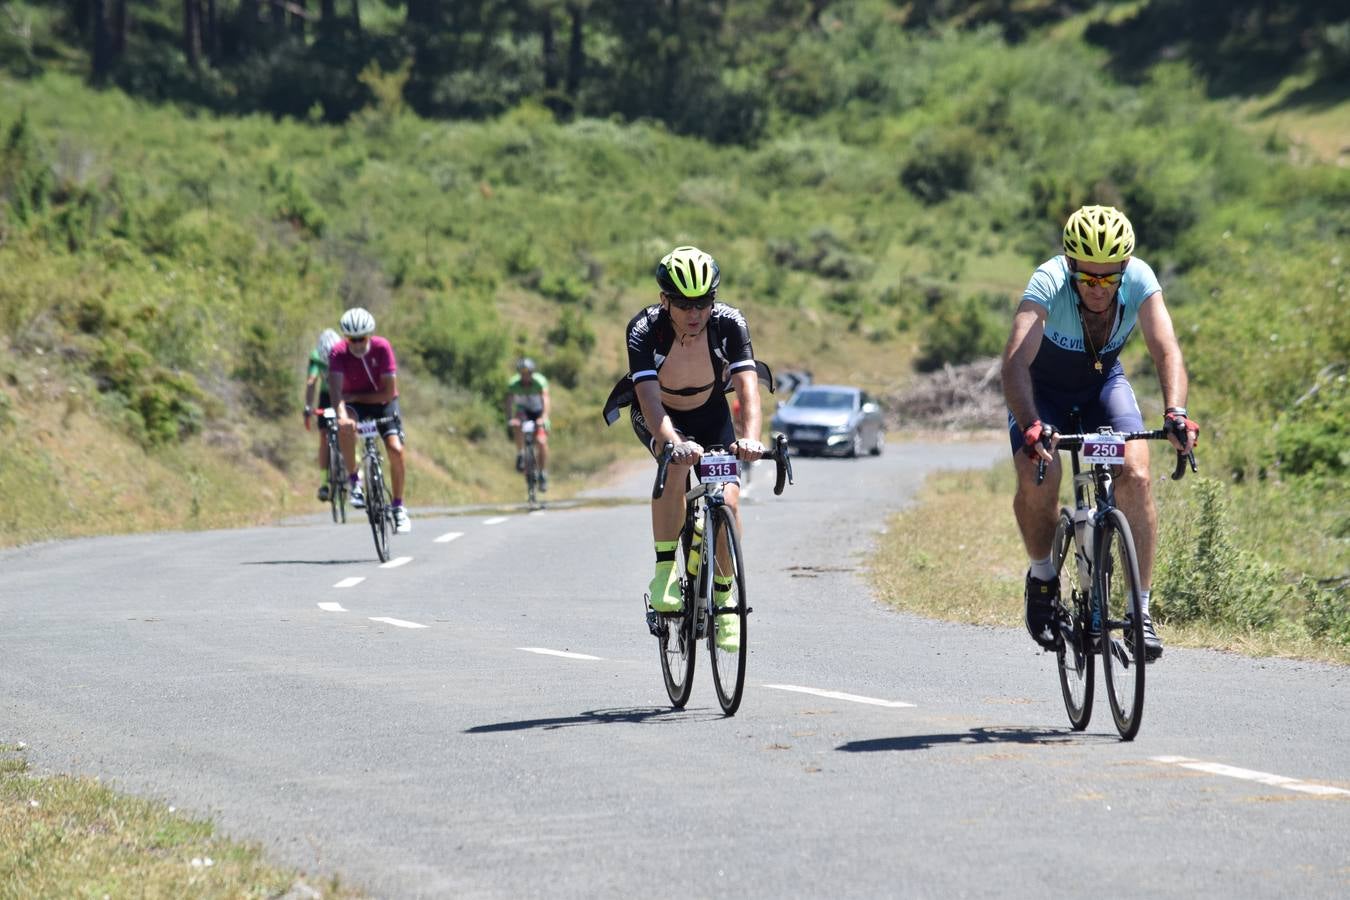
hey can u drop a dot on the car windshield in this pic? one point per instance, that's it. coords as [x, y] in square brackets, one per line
[816, 399]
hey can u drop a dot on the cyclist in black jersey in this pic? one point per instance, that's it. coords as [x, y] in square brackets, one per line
[685, 353]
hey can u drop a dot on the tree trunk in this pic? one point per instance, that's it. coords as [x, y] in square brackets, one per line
[98, 20]
[356, 15]
[212, 40]
[278, 18]
[550, 52]
[119, 28]
[298, 21]
[192, 33]
[576, 57]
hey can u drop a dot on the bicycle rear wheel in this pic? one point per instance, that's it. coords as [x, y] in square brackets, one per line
[1076, 660]
[727, 638]
[675, 633]
[377, 510]
[531, 472]
[337, 479]
[1122, 648]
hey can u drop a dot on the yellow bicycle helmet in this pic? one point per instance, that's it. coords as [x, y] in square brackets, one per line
[1098, 234]
[688, 272]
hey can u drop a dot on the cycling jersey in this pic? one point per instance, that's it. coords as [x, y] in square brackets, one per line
[650, 337]
[318, 368]
[527, 399]
[1063, 361]
[362, 374]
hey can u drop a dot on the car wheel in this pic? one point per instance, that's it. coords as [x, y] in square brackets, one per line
[880, 443]
[855, 447]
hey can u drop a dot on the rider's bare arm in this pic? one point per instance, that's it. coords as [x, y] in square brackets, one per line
[1161, 338]
[1024, 343]
[746, 384]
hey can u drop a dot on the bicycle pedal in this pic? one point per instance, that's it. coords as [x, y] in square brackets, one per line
[654, 623]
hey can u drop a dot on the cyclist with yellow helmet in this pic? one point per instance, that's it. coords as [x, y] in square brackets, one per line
[685, 353]
[1063, 353]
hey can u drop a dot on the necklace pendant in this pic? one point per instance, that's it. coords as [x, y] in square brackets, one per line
[1097, 365]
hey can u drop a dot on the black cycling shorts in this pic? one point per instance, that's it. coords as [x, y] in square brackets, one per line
[380, 411]
[709, 425]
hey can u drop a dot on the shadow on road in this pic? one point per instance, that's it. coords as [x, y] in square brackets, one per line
[635, 716]
[306, 562]
[1006, 735]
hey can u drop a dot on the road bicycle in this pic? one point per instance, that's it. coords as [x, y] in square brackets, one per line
[1099, 604]
[378, 508]
[337, 476]
[529, 462]
[708, 522]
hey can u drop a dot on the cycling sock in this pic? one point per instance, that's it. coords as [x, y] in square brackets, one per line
[722, 589]
[353, 478]
[398, 501]
[1143, 600]
[1042, 569]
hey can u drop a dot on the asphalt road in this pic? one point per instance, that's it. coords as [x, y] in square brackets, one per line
[417, 731]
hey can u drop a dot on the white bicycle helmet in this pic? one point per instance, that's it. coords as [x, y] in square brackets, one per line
[357, 322]
[327, 341]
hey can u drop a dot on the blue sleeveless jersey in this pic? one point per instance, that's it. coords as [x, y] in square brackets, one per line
[1063, 362]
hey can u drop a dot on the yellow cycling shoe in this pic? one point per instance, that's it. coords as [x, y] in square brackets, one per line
[664, 591]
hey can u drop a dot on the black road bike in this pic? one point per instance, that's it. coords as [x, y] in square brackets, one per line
[708, 522]
[378, 508]
[1098, 570]
[530, 462]
[337, 475]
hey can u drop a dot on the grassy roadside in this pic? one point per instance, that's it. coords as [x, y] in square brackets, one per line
[74, 837]
[956, 555]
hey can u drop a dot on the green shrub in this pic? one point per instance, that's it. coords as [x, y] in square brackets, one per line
[963, 331]
[462, 343]
[1203, 576]
[264, 371]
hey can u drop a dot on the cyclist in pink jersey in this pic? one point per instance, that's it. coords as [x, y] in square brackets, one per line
[363, 381]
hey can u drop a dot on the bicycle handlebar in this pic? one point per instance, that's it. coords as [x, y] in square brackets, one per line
[778, 453]
[1075, 442]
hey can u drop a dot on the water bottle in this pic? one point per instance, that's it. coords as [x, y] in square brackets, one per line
[695, 548]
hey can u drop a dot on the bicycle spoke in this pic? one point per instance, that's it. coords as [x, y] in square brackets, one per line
[1123, 654]
[1075, 658]
[727, 632]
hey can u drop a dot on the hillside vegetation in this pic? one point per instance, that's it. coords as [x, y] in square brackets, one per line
[877, 181]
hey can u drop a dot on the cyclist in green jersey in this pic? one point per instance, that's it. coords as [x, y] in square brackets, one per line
[527, 398]
[317, 379]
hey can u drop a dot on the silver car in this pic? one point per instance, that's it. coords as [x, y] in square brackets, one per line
[831, 418]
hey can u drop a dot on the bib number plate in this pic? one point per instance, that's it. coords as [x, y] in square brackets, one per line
[718, 467]
[527, 427]
[367, 428]
[1104, 450]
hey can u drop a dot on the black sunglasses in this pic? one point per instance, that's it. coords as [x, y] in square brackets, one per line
[685, 303]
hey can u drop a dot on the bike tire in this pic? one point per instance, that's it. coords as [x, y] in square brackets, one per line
[1075, 654]
[677, 641]
[728, 664]
[1123, 661]
[337, 479]
[531, 475]
[377, 510]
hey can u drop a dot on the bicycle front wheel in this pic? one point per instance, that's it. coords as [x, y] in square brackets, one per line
[1076, 661]
[675, 634]
[727, 638]
[531, 472]
[1122, 626]
[377, 511]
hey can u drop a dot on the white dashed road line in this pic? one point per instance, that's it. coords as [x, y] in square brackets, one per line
[448, 537]
[563, 653]
[401, 623]
[350, 582]
[1283, 781]
[396, 562]
[495, 520]
[331, 607]
[839, 695]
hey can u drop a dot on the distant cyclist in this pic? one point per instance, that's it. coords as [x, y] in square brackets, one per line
[1063, 352]
[527, 399]
[317, 379]
[363, 379]
[685, 353]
